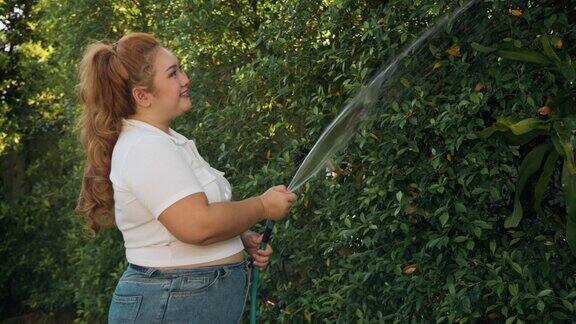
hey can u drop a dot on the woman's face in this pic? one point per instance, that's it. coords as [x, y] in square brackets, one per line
[170, 97]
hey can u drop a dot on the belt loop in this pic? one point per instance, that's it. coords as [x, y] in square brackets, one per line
[150, 271]
[147, 271]
[225, 270]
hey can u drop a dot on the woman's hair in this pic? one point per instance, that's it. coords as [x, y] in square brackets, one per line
[107, 75]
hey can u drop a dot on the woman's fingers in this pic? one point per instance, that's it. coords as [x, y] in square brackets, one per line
[261, 262]
[256, 239]
[281, 188]
[260, 258]
[266, 252]
[292, 197]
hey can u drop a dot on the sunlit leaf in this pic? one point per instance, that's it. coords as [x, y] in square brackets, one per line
[526, 125]
[405, 82]
[454, 51]
[307, 316]
[516, 12]
[515, 133]
[558, 43]
[409, 268]
[544, 111]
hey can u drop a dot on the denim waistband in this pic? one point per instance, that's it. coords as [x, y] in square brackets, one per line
[149, 271]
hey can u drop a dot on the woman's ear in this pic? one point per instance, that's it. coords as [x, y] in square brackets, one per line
[141, 97]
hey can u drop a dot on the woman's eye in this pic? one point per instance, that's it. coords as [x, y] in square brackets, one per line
[173, 73]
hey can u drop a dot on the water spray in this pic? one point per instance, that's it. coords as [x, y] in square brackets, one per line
[339, 132]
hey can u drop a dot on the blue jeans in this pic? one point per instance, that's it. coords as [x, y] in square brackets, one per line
[214, 294]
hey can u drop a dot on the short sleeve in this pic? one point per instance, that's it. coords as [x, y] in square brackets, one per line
[158, 175]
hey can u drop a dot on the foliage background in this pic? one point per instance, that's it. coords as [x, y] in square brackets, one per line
[411, 227]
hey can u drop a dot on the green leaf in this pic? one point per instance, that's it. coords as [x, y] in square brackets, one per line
[548, 51]
[567, 69]
[545, 292]
[482, 224]
[524, 55]
[569, 189]
[568, 305]
[557, 145]
[482, 48]
[347, 222]
[520, 132]
[444, 218]
[560, 315]
[460, 239]
[529, 166]
[485, 133]
[564, 67]
[517, 140]
[540, 305]
[544, 179]
[564, 133]
[452, 288]
[460, 208]
[526, 125]
[513, 289]
[516, 267]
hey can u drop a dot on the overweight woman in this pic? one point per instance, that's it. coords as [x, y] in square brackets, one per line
[184, 237]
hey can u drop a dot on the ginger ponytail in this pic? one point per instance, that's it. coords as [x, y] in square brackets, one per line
[107, 75]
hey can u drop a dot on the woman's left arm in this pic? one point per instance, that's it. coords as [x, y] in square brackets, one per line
[251, 242]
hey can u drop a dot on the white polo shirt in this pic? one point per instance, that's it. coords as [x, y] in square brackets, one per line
[150, 171]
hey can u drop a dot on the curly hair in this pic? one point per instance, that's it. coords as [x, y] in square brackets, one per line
[107, 75]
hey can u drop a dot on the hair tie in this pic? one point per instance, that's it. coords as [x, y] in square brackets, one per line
[120, 67]
[114, 48]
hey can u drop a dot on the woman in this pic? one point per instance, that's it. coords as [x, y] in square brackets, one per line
[184, 237]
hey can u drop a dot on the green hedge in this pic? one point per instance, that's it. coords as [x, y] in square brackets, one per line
[411, 229]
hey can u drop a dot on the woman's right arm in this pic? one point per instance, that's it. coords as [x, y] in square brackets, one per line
[162, 181]
[193, 220]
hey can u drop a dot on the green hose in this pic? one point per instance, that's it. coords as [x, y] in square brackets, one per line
[256, 273]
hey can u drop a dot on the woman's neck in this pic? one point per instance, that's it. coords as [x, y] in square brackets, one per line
[164, 126]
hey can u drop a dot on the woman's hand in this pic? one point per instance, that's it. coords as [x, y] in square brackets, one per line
[276, 202]
[251, 242]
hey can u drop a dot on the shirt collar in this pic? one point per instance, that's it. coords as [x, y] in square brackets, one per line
[174, 136]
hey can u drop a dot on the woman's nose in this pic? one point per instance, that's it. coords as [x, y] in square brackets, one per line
[184, 79]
